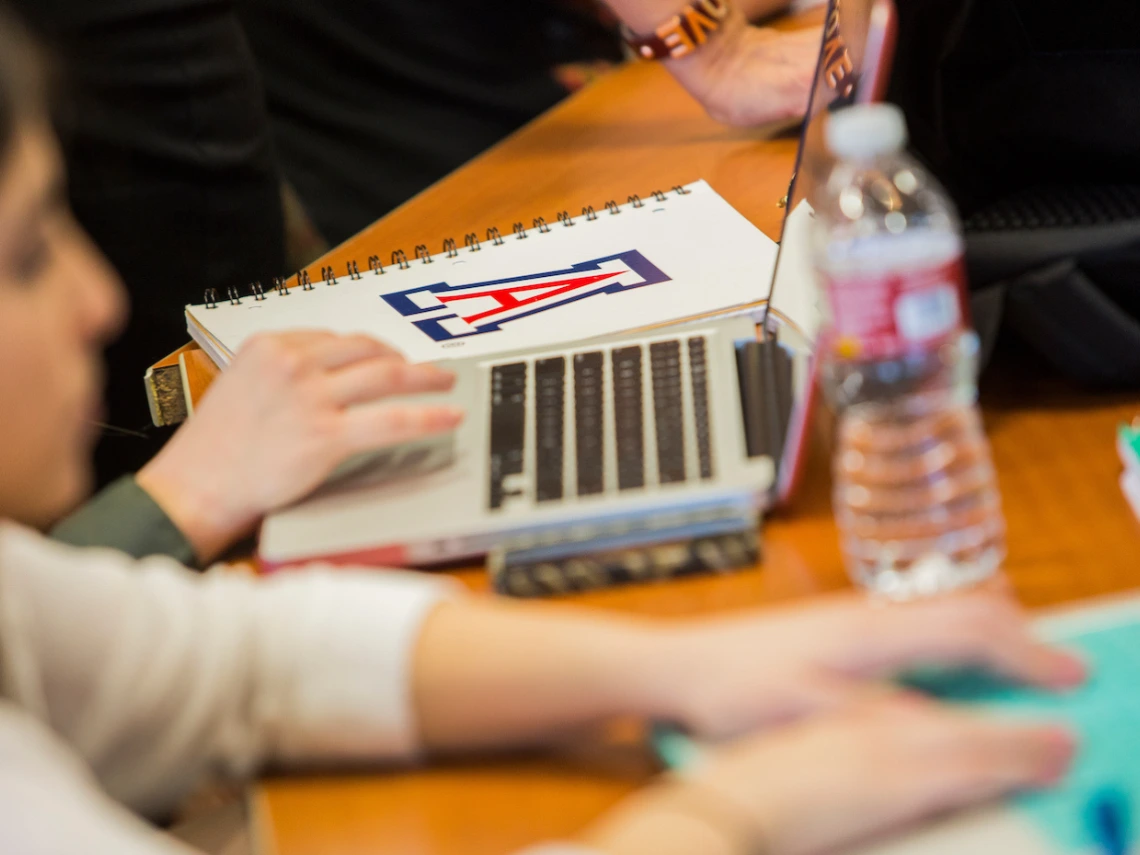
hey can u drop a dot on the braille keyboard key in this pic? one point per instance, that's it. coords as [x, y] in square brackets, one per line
[589, 383]
[629, 422]
[508, 423]
[665, 363]
[699, 374]
[549, 423]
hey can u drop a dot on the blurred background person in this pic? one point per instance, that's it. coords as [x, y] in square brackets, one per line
[372, 102]
[171, 168]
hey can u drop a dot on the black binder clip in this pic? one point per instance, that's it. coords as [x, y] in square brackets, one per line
[211, 298]
[304, 281]
[635, 201]
[280, 286]
[565, 218]
[234, 295]
[449, 248]
[589, 213]
[422, 252]
[327, 275]
[540, 224]
[353, 270]
[494, 237]
[374, 265]
[472, 240]
[400, 258]
[258, 291]
[612, 207]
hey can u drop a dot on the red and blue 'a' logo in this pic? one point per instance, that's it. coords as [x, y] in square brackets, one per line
[446, 312]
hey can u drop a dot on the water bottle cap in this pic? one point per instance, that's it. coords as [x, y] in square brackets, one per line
[865, 131]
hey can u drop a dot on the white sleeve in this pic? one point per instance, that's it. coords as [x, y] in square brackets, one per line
[50, 804]
[157, 676]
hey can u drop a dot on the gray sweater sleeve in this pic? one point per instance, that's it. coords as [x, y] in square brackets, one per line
[124, 517]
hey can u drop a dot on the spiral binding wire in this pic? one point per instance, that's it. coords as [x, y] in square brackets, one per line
[471, 243]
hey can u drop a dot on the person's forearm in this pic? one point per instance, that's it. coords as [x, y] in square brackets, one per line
[643, 16]
[758, 10]
[488, 673]
[742, 75]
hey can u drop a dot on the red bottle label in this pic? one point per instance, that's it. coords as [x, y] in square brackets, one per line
[885, 315]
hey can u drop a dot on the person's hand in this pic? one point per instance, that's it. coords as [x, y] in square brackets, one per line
[288, 410]
[749, 75]
[724, 676]
[837, 779]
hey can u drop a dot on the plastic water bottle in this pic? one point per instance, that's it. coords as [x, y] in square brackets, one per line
[915, 496]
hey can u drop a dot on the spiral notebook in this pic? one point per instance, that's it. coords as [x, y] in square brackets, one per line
[644, 263]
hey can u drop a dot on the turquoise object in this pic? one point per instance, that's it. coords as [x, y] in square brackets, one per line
[1090, 812]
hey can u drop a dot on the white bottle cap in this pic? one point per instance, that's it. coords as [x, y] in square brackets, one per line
[866, 131]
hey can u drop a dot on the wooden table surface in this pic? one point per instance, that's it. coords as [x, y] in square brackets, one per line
[1071, 535]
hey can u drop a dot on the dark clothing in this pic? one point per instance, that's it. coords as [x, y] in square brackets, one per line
[126, 518]
[371, 102]
[171, 171]
[167, 135]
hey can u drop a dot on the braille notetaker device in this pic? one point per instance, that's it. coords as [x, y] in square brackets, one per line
[609, 365]
[714, 539]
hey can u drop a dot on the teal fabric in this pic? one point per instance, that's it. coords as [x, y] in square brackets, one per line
[1104, 714]
[126, 518]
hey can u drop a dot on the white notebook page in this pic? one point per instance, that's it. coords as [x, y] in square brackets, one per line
[686, 255]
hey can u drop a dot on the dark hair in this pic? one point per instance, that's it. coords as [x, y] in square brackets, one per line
[22, 76]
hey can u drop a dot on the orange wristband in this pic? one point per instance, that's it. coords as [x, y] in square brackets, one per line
[683, 33]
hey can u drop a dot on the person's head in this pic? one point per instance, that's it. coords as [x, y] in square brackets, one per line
[59, 304]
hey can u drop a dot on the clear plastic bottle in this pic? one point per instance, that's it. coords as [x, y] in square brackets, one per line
[915, 495]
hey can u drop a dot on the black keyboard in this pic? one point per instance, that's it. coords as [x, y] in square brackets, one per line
[629, 426]
[1058, 207]
[588, 428]
[665, 359]
[508, 426]
[550, 417]
[608, 393]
